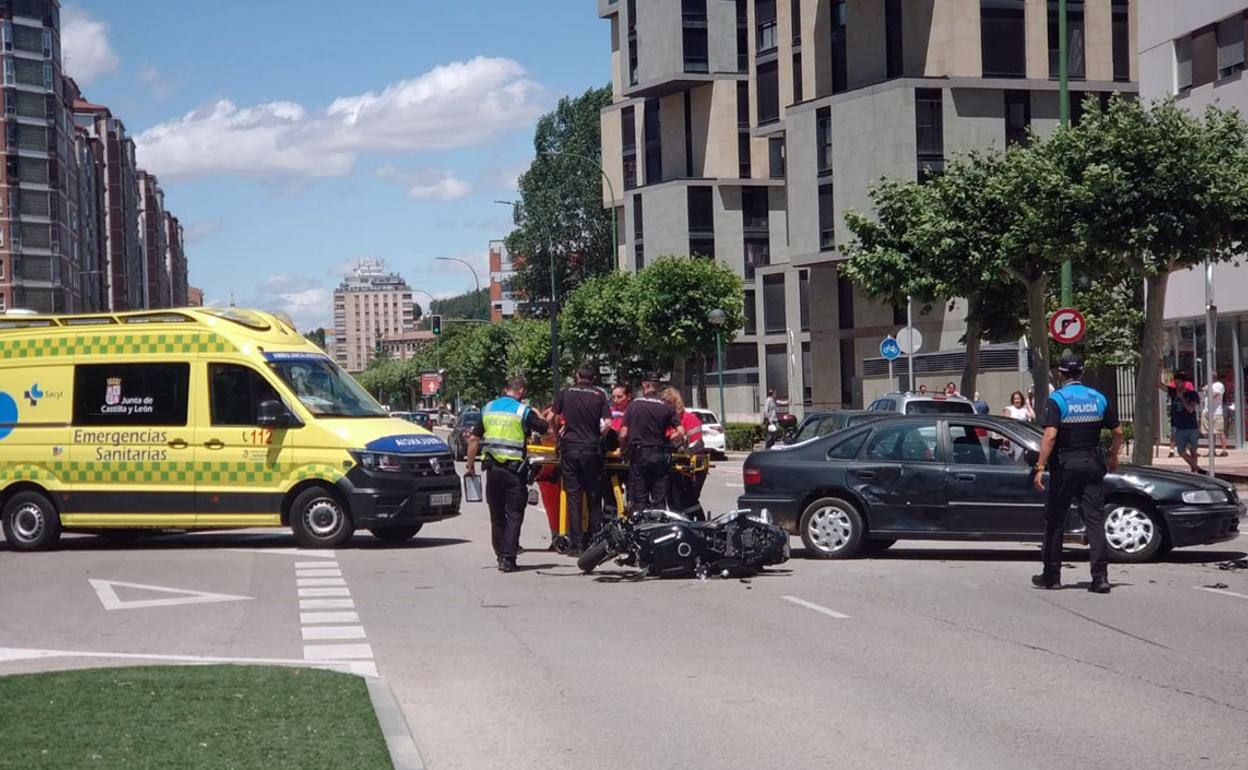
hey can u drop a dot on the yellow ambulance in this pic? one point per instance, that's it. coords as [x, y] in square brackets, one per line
[201, 418]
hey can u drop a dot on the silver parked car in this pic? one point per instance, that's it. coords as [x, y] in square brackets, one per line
[922, 403]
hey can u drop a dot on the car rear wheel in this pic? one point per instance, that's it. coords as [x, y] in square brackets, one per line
[30, 522]
[831, 528]
[395, 534]
[319, 519]
[1134, 533]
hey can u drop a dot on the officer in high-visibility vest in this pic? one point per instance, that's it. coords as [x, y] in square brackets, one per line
[506, 423]
[1073, 419]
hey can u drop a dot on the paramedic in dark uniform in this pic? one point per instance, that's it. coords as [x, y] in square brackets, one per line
[643, 432]
[1073, 419]
[503, 432]
[583, 418]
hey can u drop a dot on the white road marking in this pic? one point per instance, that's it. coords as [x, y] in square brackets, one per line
[323, 633]
[315, 565]
[815, 607]
[307, 618]
[735, 486]
[326, 604]
[310, 582]
[347, 664]
[1222, 591]
[308, 592]
[105, 590]
[301, 552]
[315, 573]
[338, 652]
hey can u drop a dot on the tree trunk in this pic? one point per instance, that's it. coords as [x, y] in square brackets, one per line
[1037, 319]
[702, 381]
[970, 368]
[1148, 374]
[678, 373]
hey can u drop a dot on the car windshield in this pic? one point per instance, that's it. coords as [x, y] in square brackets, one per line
[325, 389]
[939, 407]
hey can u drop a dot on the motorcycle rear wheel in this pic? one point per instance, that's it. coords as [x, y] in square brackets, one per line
[593, 556]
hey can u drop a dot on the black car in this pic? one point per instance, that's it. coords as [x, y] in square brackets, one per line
[461, 431]
[965, 477]
[423, 419]
[818, 424]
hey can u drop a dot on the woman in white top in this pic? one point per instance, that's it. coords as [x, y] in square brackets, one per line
[1019, 409]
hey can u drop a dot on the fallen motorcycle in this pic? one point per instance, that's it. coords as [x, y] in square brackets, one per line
[667, 544]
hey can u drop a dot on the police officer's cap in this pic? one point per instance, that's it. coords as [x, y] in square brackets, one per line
[1070, 365]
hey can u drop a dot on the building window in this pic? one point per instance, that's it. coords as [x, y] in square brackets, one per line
[797, 78]
[1204, 57]
[774, 319]
[808, 372]
[823, 140]
[1017, 116]
[840, 53]
[632, 42]
[743, 129]
[899, 315]
[803, 298]
[757, 237]
[930, 133]
[654, 143]
[775, 157]
[743, 37]
[1003, 38]
[768, 93]
[844, 302]
[695, 45]
[765, 22]
[628, 140]
[1121, 36]
[777, 363]
[849, 369]
[1183, 64]
[751, 313]
[689, 134]
[894, 51]
[827, 218]
[1075, 60]
[1230, 47]
[638, 233]
[701, 206]
[795, 21]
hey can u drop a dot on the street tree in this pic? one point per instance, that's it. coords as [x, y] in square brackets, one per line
[599, 323]
[560, 211]
[674, 297]
[316, 337]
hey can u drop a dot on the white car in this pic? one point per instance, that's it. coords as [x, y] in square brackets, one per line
[712, 431]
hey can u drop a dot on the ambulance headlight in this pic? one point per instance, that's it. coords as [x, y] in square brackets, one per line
[1205, 497]
[378, 461]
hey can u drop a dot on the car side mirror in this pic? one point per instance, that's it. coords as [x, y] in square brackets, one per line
[1032, 457]
[274, 414]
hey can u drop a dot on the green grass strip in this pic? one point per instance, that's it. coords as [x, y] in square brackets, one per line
[189, 717]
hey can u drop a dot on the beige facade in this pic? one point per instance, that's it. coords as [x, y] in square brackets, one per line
[864, 89]
[370, 305]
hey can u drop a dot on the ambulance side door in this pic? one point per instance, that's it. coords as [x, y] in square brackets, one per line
[241, 465]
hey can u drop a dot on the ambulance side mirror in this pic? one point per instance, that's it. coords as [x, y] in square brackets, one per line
[274, 414]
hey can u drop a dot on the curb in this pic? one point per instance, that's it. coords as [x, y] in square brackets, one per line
[404, 754]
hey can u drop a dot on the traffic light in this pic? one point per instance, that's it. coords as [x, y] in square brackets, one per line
[435, 323]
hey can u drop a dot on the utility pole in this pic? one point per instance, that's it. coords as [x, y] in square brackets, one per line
[1063, 98]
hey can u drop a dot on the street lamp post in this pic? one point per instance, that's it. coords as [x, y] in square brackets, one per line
[465, 262]
[615, 250]
[717, 318]
[1063, 97]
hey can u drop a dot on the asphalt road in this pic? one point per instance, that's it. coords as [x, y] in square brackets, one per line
[929, 656]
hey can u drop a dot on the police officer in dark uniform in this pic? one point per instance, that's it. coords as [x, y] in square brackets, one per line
[1073, 419]
[643, 431]
[506, 423]
[583, 416]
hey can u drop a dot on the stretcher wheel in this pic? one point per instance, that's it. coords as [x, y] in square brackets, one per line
[562, 543]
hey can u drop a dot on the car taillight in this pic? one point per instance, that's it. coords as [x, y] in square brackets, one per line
[752, 476]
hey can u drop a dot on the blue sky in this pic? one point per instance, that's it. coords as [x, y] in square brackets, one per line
[293, 138]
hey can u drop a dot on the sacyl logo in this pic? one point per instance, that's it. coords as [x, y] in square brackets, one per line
[34, 394]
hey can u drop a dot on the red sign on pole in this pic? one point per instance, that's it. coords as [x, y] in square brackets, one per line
[1067, 326]
[430, 383]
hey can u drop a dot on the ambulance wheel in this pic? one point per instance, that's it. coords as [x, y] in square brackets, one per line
[395, 534]
[30, 522]
[319, 519]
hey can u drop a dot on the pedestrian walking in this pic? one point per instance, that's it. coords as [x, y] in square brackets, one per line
[685, 492]
[1185, 419]
[643, 433]
[1019, 408]
[506, 423]
[1073, 419]
[1215, 424]
[583, 419]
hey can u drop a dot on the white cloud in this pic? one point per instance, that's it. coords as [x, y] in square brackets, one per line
[85, 49]
[155, 82]
[197, 231]
[307, 303]
[506, 177]
[455, 105]
[480, 261]
[427, 184]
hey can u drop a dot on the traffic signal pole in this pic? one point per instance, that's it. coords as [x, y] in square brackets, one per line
[1063, 98]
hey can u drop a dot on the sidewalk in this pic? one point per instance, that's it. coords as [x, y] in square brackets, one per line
[1233, 468]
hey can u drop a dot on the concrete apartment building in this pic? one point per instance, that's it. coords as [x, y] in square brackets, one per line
[1194, 50]
[369, 305]
[743, 130]
[502, 301]
[153, 242]
[175, 261]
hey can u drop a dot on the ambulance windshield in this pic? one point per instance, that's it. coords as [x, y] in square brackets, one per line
[325, 389]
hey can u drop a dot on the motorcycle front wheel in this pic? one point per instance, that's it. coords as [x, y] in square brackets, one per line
[593, 556]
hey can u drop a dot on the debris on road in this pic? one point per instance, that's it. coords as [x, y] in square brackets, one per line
[1233, 565]
[1217, 586]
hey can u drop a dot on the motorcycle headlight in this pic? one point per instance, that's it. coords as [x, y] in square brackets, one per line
[379, 461]
[1205, 497]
